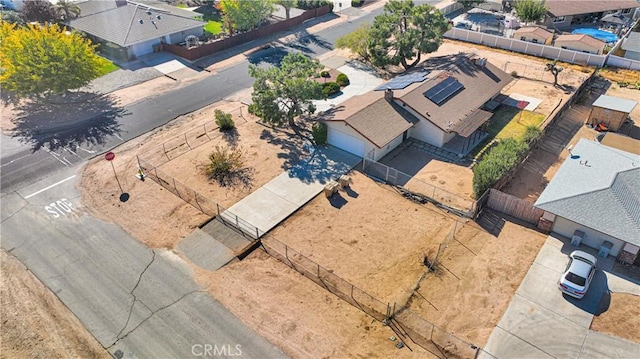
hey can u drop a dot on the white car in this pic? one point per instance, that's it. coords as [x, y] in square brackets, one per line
[577, 276]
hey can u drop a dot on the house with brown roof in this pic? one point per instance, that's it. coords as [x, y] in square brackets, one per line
[580, 42]
[562, 13]
[439, 103]
[534, 34]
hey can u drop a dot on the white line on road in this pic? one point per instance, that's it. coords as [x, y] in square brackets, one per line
[46, 188]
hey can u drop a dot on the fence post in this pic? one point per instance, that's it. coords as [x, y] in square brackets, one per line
[257, 234]
[195, 195]
[187, 142]
[165, 151]
[175, 187]
[156, 170]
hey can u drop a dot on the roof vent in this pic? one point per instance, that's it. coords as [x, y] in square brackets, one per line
[481, 61]
[159, 17]
[148, 12]
[141, 21]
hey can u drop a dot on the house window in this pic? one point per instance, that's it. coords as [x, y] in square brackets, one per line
[626, 11]
[564, 47]
[559, 19]
[535, 41]
[523, 38]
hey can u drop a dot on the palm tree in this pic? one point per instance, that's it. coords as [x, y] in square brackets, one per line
[67, 9]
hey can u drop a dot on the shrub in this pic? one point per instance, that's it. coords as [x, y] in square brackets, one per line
[514, 73]
[224, 120]
[325, 73]
[330, 89]
[342, 80]
[496, 163]
[319, 133]
[357, 3]
[226, 167]
[531, 134]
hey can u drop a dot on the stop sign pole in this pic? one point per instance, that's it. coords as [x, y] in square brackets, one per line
[109, 156]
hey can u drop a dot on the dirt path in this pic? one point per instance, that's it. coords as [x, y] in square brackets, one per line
[35, 323]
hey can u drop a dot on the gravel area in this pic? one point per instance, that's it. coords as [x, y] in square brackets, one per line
[122, 78]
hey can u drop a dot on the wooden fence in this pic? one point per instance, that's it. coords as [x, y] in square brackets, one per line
[195, 53]
[514, 206]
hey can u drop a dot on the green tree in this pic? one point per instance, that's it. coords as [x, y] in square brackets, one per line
[287, 5]
[280, 94]
[555, 70]
[469, 4]
[43, 60]
[39, 11]
[245, 15]
[67, 10]
[357, 41]
[405, 31]
[12, 17]
[530, 10]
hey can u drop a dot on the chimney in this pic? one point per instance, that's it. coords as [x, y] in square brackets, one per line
[388, 95]
[121, 3]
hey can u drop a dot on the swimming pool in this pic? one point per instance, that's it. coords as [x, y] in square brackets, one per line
[605, 36]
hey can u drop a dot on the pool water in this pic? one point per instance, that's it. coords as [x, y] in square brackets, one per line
[605, 36]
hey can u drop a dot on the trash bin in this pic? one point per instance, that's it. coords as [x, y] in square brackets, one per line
[577, 238]
[605, 248]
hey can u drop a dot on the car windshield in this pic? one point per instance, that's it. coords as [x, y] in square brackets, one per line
[576, 279]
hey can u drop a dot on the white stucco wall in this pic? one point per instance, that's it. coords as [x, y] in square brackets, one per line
[381, 152]
[592, 238]
[341, 127]
[143, 48]
[424, 130]
[182, 35]
[578, 46]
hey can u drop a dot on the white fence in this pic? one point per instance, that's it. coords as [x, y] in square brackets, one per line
[621, 62]
[549, 52]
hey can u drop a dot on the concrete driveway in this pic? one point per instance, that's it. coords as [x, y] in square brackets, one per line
[541, 322]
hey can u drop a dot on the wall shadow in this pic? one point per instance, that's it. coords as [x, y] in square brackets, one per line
[83, 119]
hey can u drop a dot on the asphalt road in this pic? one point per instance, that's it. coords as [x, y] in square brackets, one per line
[137, 302]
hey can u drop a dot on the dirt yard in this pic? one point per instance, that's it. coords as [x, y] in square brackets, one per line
[621, 319]
[35, 323]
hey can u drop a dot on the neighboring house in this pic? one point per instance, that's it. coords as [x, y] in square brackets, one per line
[128, 30]
[15, 5]
[612, 111]
[596, 192]
[580, 42]
[534, 34]
[439, 103]
[562, 13]
[631, 46]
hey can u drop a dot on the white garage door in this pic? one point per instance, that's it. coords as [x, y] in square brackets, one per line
[345, 142]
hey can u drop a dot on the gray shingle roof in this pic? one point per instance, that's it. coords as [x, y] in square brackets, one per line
[375, 118]
[121, 25]
[599, 188]
[615, 103]
[480, 83]
[632, 43]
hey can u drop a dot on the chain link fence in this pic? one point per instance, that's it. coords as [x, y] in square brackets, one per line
[418, 190]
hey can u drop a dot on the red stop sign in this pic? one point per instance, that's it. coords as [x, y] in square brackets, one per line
[109, 156]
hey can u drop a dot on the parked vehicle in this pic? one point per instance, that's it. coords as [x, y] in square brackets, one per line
[578, 274]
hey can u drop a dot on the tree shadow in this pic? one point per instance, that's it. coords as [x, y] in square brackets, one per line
[303, 41]
[83, 119]
[272, 55]
[290, 146]
[231, 136]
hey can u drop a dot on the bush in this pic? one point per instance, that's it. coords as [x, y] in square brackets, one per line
[313, 4]
[224, 120]
[514, 73]
[357, 3]
[531, 134]
[319, 133]
[342, 80]
[497, 163]
[330, 89]
[226, 167]
[325, 74]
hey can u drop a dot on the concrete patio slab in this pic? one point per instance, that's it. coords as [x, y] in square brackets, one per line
[169, 66]
[542, 328]
[279, 198]
[599, 345]
[205, 251]
[503, 344]
[514, 98]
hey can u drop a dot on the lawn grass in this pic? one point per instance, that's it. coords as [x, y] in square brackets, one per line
[508, 122]
[214, 27]
[108, 67]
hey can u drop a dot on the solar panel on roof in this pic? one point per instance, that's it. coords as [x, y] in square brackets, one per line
[443, 90]
[403, 81]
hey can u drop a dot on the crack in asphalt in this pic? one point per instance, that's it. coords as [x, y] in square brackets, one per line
[135, 299]
[151, 315]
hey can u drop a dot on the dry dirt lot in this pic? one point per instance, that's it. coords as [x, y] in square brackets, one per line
[35, 323]
[622, 319]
